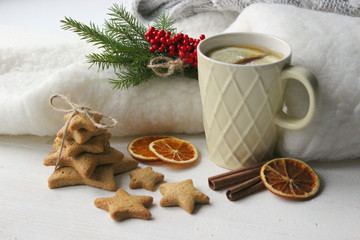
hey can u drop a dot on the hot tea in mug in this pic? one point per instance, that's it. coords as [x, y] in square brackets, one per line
[245, 55]
[242, 78]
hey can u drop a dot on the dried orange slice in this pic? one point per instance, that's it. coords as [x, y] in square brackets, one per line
[139, 148]
[290, 178]
[174, 150]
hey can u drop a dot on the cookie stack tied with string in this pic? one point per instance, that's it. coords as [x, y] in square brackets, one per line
[83, 153]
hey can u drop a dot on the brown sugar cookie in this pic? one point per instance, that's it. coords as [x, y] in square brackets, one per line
[82, 135]
[103, 176]
[125, 165]
[145, 178]
[123, 205]
[95, 144]
[85, 163]
[183, 194]
[81, 121]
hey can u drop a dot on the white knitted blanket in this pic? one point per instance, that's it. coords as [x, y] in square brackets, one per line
[35, 65]
[179, 9]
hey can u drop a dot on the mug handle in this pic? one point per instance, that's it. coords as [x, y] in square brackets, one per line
[311, 85]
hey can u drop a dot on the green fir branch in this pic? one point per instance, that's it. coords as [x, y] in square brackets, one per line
[132, 77]
[125, 35]
[124, 46]
[125, 19]
[164, 21]
[91, 33]
[106, 60]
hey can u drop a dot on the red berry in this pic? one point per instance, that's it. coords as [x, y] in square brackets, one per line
[157, 38]
[162, 40]
[148, 39]
[168, 42]
[161, 49]
[186, 37]
[161, 33]
[182, 54]
[151, 29]
[202, 36]
[152, 41]
[172, 48]
[168, 34]
[151, 49]
[154, 47]
[189, 47]
[185, 42]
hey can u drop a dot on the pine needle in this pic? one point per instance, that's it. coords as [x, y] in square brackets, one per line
[124, 18]
[164, 21]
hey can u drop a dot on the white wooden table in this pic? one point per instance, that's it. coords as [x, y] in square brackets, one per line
[29, 210]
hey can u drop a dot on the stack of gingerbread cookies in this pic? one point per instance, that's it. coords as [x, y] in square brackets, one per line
[86, 156]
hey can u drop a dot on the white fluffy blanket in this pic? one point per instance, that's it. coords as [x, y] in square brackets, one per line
[35, 65]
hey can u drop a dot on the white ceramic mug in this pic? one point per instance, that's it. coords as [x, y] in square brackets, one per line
[242, 104]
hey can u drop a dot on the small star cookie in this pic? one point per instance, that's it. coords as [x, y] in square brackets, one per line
[145, 178]
[85, 163]
[81, 121]
[123, 205]
[96, 144]
[183, 194]
[81, 135]
[127, 164]
[103, 176]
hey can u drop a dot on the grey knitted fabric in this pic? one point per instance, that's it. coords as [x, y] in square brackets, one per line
[147, 9]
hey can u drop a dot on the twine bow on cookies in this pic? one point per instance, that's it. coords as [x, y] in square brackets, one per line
[77, 109]
[165, 62]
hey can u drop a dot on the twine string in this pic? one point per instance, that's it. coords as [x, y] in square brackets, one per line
[163, 62]
[77, 109]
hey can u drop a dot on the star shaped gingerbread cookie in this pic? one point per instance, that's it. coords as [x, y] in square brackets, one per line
[85, 163]
[96, 144]
[183, 194]
[102, 177]
[81, 121]
[123, 205]
[145, 178]
[82, 135]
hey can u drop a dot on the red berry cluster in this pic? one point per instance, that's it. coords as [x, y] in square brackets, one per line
[174, 45]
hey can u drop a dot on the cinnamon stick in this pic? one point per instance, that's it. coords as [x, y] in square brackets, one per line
[244, 189]
[234, 176]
